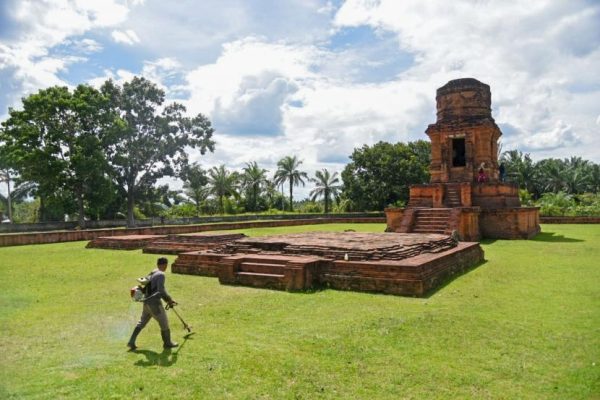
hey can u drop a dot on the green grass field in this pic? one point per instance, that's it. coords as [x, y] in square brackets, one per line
[523, 325]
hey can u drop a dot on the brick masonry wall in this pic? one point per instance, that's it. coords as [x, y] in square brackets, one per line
[17, 239]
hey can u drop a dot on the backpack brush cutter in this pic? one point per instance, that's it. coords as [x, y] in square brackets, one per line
[185, 325]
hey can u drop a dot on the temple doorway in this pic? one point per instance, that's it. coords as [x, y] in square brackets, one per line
[458, 152]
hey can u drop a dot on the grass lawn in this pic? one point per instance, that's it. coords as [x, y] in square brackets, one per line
[523, 325]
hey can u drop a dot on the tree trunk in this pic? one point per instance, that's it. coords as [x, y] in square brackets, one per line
[291, 199]
[221, 204]
[81, 212]
[130, 204]
[8, 199]
[326, 202]
[42, 210]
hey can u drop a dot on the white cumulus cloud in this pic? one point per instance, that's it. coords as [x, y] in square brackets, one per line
[27, 58]
[127, 37]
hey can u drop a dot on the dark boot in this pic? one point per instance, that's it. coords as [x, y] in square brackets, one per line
[131, 343]
[166, 337]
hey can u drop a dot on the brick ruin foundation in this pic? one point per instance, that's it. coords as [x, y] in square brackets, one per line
[165, 244]
[464, 140]
[401, 264]
[393, 263]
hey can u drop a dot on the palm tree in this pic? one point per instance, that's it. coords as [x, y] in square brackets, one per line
[253, 180]
[551, 174]
[222, 183]
[522, 168]
[15, 194]
[287, 170]
[577, 175]
[271, 193]
[326, 186]
[594, 183]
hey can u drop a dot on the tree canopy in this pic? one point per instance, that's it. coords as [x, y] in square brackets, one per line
[57, 141]
[381, 174]
[572, 175]
[149, 140]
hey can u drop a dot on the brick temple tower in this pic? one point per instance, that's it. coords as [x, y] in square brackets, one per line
[464, 140]
[465, 135]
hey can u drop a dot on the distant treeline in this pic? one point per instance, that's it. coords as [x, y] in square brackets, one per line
[97, 154]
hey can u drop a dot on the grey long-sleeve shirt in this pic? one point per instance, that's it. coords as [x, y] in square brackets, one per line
[157, 288]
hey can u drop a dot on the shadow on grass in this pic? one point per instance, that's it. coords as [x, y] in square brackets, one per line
[451, 278]
[540, 237]
[166, 358]
[552, 237]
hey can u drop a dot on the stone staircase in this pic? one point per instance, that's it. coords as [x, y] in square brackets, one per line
[279, 272]
[262, 273]
[452, 198]
[432, 220]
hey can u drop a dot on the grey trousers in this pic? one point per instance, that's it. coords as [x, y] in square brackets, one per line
[156, 311]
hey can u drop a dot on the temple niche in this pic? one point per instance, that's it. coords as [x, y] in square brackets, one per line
[465, 193]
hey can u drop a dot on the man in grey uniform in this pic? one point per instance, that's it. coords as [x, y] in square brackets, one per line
[153, 307]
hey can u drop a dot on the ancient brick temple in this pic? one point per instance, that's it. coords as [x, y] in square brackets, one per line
[465, 193]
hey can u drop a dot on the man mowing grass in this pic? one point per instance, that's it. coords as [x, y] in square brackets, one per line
[153, 307]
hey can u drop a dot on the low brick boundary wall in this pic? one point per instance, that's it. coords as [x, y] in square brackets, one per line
[569, 220]
[150, 222]
[17, 239]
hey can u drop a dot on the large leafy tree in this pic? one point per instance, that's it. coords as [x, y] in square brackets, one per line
[326, 186]
[195, 183]
[222, 183]
[150, 139]
[253, 181]
[56, 140]
[155, 200]
[287, 170]
[381, 174]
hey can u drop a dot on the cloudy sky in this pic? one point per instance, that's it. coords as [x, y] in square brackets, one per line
[317, 78]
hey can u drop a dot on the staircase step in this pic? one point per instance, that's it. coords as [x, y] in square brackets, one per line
[269, 281]
[432, 224]
[434, 214]
[421, 230]
[260, 274]
[266, 264]
[261, 268]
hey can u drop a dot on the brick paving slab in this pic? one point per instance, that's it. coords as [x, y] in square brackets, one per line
[175, 244]
[125, 242]
[342, 245]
